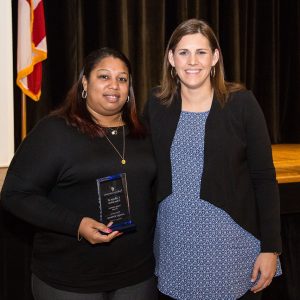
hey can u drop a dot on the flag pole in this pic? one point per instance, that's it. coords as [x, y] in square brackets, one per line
[24, 117]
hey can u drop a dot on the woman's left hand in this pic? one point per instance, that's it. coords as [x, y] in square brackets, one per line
[265, 265]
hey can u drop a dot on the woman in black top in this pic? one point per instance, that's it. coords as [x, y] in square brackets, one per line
[52, 184]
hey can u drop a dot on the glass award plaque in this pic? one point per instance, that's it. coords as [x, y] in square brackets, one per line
[114, 202]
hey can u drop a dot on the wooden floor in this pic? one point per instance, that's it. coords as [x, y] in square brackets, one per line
[287, 162]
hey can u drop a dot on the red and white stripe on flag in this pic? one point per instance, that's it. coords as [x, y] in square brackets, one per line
[32, 47]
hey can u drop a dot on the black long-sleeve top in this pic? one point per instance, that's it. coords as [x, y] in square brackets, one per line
[238, 172]
[51, 183]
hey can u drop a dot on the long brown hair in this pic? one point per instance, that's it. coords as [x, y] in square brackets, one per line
[74, 109]
[170, 83]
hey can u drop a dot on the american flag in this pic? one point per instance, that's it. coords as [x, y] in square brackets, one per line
[32, 47]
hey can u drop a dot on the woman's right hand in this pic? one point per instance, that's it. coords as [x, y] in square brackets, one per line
[91, 230]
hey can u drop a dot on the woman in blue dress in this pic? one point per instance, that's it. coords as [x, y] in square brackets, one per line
[218, 229]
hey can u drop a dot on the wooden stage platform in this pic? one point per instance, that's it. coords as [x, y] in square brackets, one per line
[286, 159]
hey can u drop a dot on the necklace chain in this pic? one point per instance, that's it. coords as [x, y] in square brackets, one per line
[123, 161]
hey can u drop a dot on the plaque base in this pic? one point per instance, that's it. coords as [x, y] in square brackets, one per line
[123, 226]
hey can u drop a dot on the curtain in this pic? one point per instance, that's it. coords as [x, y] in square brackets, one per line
[259, 40]
[260, 45]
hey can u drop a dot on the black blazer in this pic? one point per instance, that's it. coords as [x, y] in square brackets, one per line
[238, 173]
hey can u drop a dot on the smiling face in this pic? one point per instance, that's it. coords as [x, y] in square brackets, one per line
[107, 87]
[193, 59]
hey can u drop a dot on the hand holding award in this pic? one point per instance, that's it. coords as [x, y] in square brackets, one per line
[95, 232]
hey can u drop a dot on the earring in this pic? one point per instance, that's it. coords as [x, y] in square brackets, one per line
[128, 99]
[213, 71]
[84, 94]
[172, 72]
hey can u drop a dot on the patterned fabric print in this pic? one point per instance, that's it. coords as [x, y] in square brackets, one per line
[201, 253]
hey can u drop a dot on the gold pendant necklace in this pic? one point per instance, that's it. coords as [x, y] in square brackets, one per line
[123, 161]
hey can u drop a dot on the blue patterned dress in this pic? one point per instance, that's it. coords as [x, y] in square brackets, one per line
[201, 253]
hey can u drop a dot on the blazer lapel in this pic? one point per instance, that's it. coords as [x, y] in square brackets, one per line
[169, 120]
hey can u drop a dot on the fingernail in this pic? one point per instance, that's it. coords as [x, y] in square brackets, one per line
[108, 230]
[252, 280]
